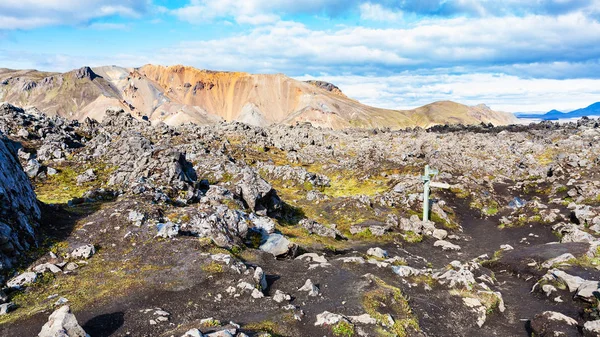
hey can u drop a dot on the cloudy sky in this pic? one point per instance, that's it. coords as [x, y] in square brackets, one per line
[514, 55]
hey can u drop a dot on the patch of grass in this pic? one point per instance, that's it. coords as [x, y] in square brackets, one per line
[343, 329]
[423, 279]
[62, 187]
[211, 323]
[301, 237]
[274, 329]
[346, 185]
[441, 222]
[90, 284]
[213, 268]
[412, 237]
[586, 261]
[488, 299]
[460, 193]
[385, 299]
[491, 209]
[547, 156]
[226, 177]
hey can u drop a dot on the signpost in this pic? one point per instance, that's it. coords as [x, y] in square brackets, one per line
[427, 184]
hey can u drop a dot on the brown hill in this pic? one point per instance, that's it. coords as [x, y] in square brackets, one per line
[179, 94]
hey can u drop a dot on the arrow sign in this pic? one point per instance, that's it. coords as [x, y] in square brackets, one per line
[439, 185]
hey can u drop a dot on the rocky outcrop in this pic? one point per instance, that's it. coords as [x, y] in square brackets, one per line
[62, 323]
[85, 72]
[327, 86]
[19, 210]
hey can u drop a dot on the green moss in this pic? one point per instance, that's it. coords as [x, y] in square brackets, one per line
[441, 222]
[491, 209]
[62, 187]
[386, 299]
[213, 268]
[460, 193]
[226, 177]
[91, 284]
[412, 237]
[345, 185]
[274, 329]
[423, 279]
[343, 329]
[211, 323]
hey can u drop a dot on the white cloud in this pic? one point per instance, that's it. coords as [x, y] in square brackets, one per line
[376, 12]
[477, 43]
[501, 92]
[29, 14]
[426, 55]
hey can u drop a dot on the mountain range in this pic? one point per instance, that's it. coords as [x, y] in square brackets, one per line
[591, 110]
[180, 94]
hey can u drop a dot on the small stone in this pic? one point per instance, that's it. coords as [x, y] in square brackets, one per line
[591, 328]
[6, 308]
[280, 296]
[310, 287]
[71, 266]
[440, 234]
[42, 268]
[193, 333]
[446, 245]
[377, 252]
[83, 252]
[61, 301]
[548, 289]
[276, 244]
[22, 280]
[167, 230]
[327, 318]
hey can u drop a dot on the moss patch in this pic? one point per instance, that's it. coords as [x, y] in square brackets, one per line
[343, 329]
[386, 300]
[62, 187]
[345, 185]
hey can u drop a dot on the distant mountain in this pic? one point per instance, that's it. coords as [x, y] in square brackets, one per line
[179, 94]
[592, 110]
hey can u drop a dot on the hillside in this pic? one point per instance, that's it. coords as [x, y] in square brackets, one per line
[295, 231]
[179, 94]
[591, 110]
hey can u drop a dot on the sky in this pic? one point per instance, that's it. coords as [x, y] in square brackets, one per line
[513, 55]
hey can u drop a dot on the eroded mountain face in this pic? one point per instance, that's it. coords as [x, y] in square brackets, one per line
[177, 94]
[238, 230]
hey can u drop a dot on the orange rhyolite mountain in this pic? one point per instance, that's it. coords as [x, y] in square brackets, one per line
[179, 94]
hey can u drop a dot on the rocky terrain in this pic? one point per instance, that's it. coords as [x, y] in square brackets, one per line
[230, 229]
[178, 94]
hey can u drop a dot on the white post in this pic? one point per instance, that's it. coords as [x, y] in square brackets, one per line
[429, 173]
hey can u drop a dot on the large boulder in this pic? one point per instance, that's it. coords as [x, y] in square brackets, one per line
[551, 323]
[225, 227]
[19, 209]
[62, 323]
[257, 193]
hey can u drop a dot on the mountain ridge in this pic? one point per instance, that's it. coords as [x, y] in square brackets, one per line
[179, 94]
[591, 110]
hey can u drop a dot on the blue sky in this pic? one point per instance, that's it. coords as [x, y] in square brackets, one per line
[514, 55]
